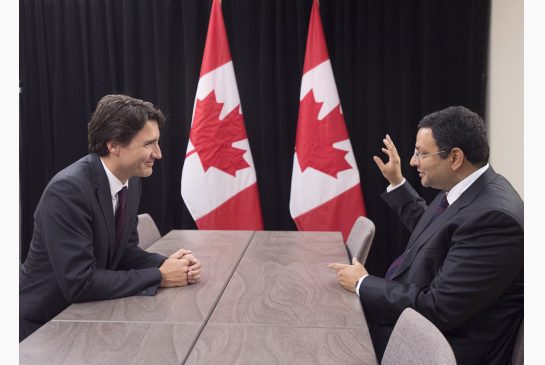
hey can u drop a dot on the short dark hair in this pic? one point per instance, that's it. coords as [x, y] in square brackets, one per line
[457, 126]
[118, 118]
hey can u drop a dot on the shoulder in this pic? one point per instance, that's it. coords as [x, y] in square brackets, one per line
[498, 201]
[79, 177]
[499, 196]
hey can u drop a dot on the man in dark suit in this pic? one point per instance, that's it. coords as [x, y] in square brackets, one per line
[463, 265]
[85, 241]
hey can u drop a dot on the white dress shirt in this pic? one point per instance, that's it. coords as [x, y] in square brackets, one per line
[115, 185]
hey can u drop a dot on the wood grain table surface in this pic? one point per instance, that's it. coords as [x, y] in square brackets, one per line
[264, 297]
[283, 305]
[219, 253]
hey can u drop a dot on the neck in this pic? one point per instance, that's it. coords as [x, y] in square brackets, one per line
[464, 171]
[113, 166]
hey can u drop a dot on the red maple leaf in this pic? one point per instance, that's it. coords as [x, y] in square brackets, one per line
[315, 138]
[213, 138]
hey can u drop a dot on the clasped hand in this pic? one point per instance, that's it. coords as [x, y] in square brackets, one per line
[180, 269]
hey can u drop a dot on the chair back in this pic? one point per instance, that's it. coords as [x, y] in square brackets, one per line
[148, 232]
[518, 348]
[360, 239]
[416, 341]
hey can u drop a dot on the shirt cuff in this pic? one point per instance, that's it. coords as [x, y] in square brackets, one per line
[390, 187]
[359, 283]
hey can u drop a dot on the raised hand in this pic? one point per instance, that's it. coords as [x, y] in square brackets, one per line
[391, 170]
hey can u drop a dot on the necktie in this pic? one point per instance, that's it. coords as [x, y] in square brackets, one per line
[443, 204]
[120, 214]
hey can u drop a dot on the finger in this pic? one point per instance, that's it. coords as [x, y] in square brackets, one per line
[185, 262]
[379, 162]
[180, 253]
[196, 265]
[190, 258]
[355, 261]
[389, 146]
[185, 252]
[388, 152]
[176, 255]
[392, 144]
[336, 266]
[195, 276]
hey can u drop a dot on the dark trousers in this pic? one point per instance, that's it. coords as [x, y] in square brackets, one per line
[380, 334]
[27, 327]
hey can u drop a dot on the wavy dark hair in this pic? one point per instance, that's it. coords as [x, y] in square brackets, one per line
[457, 126]
[118, 118]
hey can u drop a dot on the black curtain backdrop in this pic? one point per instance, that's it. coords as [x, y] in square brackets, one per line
[393, 61]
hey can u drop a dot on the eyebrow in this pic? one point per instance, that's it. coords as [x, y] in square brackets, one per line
[151, 140]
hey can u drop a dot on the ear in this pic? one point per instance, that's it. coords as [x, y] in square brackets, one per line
[456, 157]
[113, 147]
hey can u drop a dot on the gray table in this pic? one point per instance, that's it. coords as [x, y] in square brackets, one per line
[264, 297]
[283, 305]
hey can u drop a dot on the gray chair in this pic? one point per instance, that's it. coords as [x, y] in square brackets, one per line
[147, 231]
[360, 239]
[518, 348]
[416, 341]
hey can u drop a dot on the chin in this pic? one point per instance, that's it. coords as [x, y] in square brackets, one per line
[146, 172]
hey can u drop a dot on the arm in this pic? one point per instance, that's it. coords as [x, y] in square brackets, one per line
[179, 269]
[66, 219]
[136, 258]
[404, 200]
[484, 258]
[408, 205]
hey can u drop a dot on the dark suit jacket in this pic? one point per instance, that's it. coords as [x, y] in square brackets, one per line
[72, 255]
[463, 271]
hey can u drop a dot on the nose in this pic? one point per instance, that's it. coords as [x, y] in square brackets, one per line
[156, 152]
[414, 161]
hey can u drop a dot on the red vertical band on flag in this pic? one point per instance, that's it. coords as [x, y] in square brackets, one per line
[315, 52]
[216, 50]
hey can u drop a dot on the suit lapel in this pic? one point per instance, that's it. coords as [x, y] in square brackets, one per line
[427, 217]
[104, 197]
[424, 230]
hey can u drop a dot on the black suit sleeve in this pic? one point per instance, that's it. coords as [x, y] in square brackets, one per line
[136, 258]
[484, 257]
[68, 236]
[406, 202]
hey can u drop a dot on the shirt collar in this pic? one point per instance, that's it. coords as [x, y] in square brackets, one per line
[463, 185]
[115, 183]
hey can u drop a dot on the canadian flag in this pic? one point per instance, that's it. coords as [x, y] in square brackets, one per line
[325, 187]
[219, 184]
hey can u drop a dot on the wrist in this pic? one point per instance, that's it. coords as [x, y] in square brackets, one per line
[397, 181]
[358, 284]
